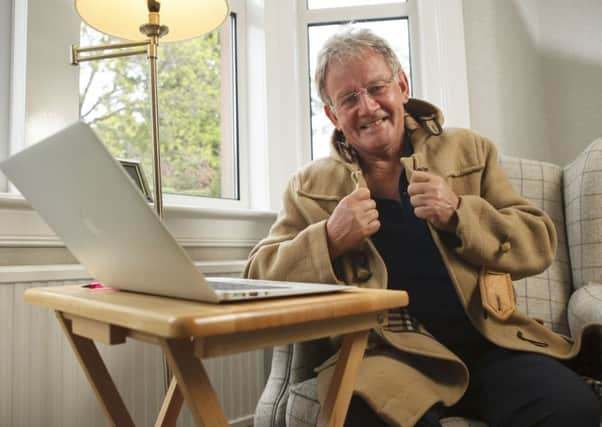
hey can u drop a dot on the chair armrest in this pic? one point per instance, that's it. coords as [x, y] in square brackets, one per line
[584, 307]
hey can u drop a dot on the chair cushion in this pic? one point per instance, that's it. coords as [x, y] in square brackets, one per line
[272, 404]
[544, 296]
[583, 208]
[303, 406]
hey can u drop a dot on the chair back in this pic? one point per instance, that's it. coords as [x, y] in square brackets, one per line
[583, 210]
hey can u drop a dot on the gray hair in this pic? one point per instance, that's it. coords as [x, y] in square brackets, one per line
[350, 43]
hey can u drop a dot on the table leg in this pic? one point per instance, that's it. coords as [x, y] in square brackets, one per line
[172, 404]
[194, 383]
[341, 385]
[98, 375]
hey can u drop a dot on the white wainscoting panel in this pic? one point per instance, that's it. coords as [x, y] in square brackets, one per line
[42, 384]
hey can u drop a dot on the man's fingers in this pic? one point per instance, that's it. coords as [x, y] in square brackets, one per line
[419, 188]
[419, 200]
[420, 176]
[361, 193]
[366, 205]
[371, 215]
[373, 227]
[423, 212]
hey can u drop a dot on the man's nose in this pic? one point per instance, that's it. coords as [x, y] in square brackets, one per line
[367, 101]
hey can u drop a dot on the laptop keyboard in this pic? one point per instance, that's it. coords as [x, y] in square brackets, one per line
[226, 286]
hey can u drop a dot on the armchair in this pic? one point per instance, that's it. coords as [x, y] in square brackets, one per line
[565, 297]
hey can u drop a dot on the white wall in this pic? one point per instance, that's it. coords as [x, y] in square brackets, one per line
[535, 75]
[505, 90]
[570, 48]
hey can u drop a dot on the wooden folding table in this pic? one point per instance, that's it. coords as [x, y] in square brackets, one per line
[189, 331]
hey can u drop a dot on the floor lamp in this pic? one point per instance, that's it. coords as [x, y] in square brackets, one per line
[142, 23]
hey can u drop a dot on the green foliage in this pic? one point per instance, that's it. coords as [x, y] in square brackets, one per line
[114, 99]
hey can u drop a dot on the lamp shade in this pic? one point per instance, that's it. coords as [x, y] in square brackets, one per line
[122, 18]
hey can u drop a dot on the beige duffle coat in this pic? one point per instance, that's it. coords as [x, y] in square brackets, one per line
[409, 370]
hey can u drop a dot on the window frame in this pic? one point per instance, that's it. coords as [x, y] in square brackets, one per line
[235, 120]
[13, 39]
[6, 13]
[31, 119]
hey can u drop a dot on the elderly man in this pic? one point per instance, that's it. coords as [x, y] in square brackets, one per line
[402, 203]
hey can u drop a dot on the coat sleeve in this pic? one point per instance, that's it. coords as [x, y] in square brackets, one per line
[295, 249]
[501, 230]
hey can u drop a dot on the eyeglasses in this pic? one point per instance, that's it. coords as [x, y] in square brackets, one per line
[351, 100]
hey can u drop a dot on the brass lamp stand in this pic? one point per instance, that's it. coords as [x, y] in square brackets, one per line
[193, 18]
[153, 30]
[188, 19]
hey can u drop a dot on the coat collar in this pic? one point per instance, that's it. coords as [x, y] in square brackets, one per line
[422, 120]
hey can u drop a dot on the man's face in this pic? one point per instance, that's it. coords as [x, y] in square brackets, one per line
[368, 104]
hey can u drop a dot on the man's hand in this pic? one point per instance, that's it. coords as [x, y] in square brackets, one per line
[433, 200]
[353, 220]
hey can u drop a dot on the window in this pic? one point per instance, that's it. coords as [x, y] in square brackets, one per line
[391, 21]
[273, 125]
[274, 121]
[197, 110]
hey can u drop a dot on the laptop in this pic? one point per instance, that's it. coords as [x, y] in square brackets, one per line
[90, 202]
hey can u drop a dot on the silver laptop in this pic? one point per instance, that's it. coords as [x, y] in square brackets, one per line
[90, 202]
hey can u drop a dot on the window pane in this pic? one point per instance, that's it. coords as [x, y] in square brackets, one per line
[325, 4]
[395, 31]
[196, 117]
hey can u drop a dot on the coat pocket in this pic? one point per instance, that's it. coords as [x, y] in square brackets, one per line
[466, 180]
[497, 293]
[465, 171]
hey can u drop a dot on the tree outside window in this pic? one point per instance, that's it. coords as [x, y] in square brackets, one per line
[195, 112]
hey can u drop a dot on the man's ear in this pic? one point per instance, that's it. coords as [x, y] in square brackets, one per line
[404, 86]
[331, 115]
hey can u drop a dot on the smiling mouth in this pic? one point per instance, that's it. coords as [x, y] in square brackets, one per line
[373, 123]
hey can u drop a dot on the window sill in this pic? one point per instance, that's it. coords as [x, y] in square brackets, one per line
[45, 273]
[21, 226]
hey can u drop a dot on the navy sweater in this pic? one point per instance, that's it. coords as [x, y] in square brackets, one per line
[414, 264]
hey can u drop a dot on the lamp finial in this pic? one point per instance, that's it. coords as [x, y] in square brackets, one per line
[153, 5]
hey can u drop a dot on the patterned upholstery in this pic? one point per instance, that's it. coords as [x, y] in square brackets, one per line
[583, 195]
[290, 397]
[585, 306]
[303, 406]
[291, 364]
